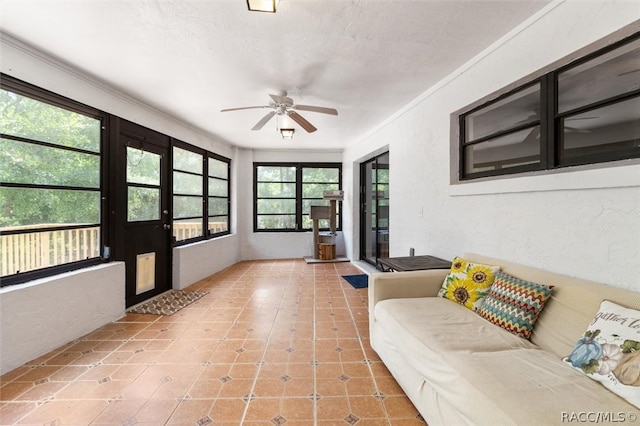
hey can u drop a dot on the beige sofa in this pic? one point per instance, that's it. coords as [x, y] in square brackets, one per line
[457, 368]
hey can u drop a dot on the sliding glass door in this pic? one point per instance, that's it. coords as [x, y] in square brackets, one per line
[374, 208]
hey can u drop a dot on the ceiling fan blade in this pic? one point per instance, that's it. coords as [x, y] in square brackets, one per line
[322, 110]
[282, 99]
[241, 108]
[260, 124]
[310, 128]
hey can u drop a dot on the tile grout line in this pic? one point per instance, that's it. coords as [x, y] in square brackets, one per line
[286, 291]
[313, 344]
[266, 346]
[364, 353]
[205, 364]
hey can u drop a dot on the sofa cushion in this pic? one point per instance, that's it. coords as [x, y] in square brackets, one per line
[486, 373]
[468, 283]
[514, 304]
[609, 351]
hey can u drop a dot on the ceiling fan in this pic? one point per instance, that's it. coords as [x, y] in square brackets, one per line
[283, 105]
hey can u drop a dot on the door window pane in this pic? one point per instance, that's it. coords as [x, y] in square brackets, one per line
[143, 204]
[143, 167]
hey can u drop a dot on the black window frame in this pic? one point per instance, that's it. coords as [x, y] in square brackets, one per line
[550, 122]
[204, 216]
[298, 191]
[41, 95]
[216, 157]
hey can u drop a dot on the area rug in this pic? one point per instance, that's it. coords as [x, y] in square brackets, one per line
[357, 281]
[168, 303]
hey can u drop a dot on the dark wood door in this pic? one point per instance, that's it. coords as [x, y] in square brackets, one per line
[143, 219]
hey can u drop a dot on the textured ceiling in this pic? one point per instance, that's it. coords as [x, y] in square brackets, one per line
[190, 59]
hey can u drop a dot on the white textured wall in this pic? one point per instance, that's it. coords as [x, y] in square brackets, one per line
[579, 222]
[42, 315]
[197, 261]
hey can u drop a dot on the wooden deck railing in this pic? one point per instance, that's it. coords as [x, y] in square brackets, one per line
[42, 248]
[185, 230]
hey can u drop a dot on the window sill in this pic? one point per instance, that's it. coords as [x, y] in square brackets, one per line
[616, 175]
[58, 277]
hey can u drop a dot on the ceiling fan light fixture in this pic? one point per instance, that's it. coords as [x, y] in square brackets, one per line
[287, 134]
[263, 5]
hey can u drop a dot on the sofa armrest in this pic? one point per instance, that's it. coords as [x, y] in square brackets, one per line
[394, 285]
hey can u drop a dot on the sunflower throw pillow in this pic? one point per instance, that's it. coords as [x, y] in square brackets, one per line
[468, 283]
[609, 351]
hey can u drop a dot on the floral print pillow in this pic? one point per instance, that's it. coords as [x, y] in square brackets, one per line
[609, 351]
[468, 283]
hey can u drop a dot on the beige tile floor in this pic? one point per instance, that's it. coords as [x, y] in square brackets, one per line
[272, 343]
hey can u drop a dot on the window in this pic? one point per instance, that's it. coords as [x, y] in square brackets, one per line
[50, 183]
[585, 112]
[599, 107]
[315, 180]
[218, 201]
[285, 192]
[188, 194]
[192, 186]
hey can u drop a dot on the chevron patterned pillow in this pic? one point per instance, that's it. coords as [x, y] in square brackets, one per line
[514, 304]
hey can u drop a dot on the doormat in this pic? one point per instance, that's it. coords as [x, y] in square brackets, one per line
[357, 281]
[168, 303]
